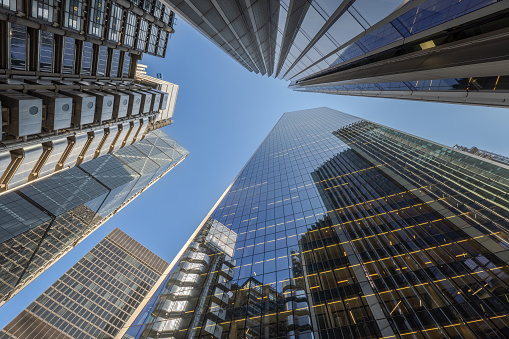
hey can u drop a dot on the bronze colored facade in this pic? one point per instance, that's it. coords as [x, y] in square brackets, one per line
[95, 297]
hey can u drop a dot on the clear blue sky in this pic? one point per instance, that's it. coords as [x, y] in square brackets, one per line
[223, 113]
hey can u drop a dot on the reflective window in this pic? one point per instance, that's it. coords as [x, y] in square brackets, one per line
[127, 63]
[96, 17]
[158, 6]
[101, 60]
[86, 63]
[72, 14]
[166, 15]
[46, 52]
[115, 23]
[142, 35]
[130, 29]
[69, 54]
[152, 41]
[163, 36]
[42, 9]
[115, 58]
[18, 38]
[147, 5]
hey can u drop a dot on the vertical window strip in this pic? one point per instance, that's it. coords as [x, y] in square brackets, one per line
[96, 18]
[72, 14]
[115, 23]
[46, 52]
[18, 38]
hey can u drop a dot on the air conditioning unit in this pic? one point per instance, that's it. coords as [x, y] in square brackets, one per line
[103, 105]
[84, 107]
[146, 101]
[134, 103]
[25, 117]
[120, 104]
[58, 109]
[156, 101]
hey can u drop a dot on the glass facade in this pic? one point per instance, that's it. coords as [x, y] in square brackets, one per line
[95, 297]
[385, 48]
[44, 220]
[342, 228]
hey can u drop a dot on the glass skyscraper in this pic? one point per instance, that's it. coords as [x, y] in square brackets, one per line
[338, 227]
[433, 50]
[95, 297]
[41, 222]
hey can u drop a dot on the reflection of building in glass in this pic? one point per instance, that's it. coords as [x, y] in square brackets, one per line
[432, 50]
[95, 297]
[41, 222]
[349, 229]
[197, 291]
[67, 82]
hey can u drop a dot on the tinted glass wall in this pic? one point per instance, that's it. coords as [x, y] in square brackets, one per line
[44, 220]
[347, 229]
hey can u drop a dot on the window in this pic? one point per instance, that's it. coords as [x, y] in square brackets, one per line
[18, 37]
[10, 4]
[142, 35]
[152, 42]
[101, 60]
[167, 15]
[86, 64]
[157, 9]
[96, 18]
[162, 43]
[127, 62]
[72, 14]
[130, 29]
[115, 23]
[115, 58]
[42, 9]
[68, 55]
[46, 52]
[147, 5]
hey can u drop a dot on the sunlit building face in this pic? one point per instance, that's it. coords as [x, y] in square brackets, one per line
[340, 227]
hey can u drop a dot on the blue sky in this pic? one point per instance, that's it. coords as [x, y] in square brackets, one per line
[223, 113]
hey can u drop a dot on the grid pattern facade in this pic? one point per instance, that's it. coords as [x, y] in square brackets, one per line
[93, 298]
[357, 47]
[43, 221]
[349, 229]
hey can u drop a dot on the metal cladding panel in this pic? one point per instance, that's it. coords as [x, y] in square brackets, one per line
[146, 101]
[98, 135]
[120, 104]
[0, 124]
[109, 139]
[32, 154]
[81, 140]
[59, 147]
[103, 105]
[58, 109]
[84, 107]
[25, 113]
[143, 127]
[123, 133]
[134, 103]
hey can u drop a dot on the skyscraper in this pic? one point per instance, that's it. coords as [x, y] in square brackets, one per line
[434, 50]
[338, 227]
[95, 297]
[42, 221]
[67, 82]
